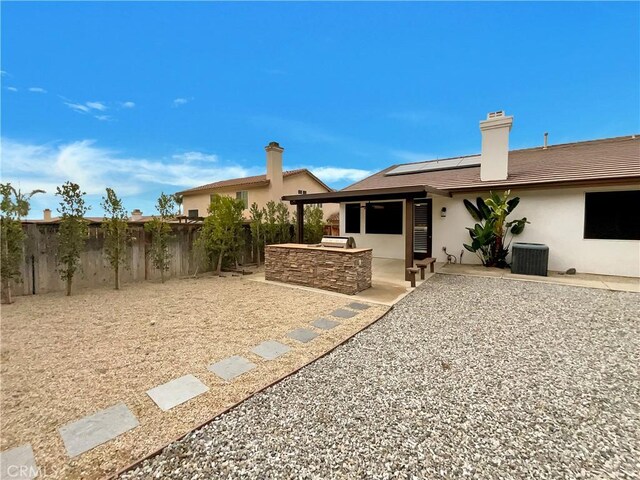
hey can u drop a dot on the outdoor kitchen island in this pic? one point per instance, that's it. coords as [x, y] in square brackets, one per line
[343, 270]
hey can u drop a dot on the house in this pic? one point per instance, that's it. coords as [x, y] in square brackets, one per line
[260, 189]
[581, 198]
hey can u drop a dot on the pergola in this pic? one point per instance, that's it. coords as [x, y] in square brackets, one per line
[408, 193]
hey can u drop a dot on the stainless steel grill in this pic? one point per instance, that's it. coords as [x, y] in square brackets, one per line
[338, 242]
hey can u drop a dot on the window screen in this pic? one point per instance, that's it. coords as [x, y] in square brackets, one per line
[612, 215]
[244, 196]
[352, 218]
[193, 213]
[384, 217]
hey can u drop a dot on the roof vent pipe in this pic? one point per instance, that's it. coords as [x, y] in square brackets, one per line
[546, 139]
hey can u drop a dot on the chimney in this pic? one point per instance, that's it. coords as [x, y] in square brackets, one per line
[46, 214]
[136, 215]
[274, 170]
[546, 139]
[494, 161]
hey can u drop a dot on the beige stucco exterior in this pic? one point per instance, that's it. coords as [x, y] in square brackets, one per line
[261, 193]
[557, 220]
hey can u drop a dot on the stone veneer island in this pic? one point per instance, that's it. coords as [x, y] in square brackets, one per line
[343, 270]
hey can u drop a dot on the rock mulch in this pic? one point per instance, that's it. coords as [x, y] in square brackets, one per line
[73, 386]
[465, 378]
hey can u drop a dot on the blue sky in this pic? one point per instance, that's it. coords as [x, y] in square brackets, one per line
[149, 97]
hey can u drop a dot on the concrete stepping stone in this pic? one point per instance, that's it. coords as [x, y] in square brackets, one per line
[176, 392]
[303, 335]
[231, 367]
[358, 306]
[343, 313]
[270, 349]
[89, 432]
[18, 463]
[324, 324]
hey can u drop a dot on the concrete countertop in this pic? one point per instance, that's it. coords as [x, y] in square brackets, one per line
[302, 246]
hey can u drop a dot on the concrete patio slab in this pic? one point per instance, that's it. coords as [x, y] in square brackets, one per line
[358, 306]
[324, 324]
[18, 463]
[343, 313]
[303, 335]
[175, 392]
[231, 367]
[587, 280]
[270, 349]
[93, 430]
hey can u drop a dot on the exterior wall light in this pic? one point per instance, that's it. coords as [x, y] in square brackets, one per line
[443, 212]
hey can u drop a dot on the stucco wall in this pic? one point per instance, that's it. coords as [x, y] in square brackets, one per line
[384, 246]
[557, 220]
[260, 195]
[304, 182]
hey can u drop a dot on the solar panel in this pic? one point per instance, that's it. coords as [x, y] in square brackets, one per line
[432, 165]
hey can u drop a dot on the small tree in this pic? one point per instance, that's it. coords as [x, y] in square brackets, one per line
[177, 198]
[116, 232]
[13, 206]
[257, 231]
[73, 230]
[489, 236]
[222, 231]
[283, 220]
[160, 231]
[313, 224]
[270, 223]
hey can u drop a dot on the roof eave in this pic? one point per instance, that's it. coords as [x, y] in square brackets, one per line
[389, 193]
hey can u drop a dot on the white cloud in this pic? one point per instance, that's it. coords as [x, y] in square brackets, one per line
[337, 174]
[188, 157]
[177, 102]
[94, 168]
[12, 89]
[96, 106]
[3, 73]
[37, 90]
[103, 118]
[78, 107]
[128, 104]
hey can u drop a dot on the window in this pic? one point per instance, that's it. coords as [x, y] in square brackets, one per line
[193, 214]
[244, 196]
[352, 218]
[612, 215]
[384, 217]
[302, 192]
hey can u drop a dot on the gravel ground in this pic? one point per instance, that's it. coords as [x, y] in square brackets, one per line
[540, 381]
[63, 358]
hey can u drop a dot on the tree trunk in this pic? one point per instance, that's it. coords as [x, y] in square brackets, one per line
[162, 275]
[6, 291]
[69, 280]
[117, 272]
[219, 269]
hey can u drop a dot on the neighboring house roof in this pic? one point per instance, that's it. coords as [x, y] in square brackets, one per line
[254, 181]
[334, 218]
[610, 159]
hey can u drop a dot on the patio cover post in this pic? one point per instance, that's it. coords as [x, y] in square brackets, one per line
[300, 222]
[408, 237]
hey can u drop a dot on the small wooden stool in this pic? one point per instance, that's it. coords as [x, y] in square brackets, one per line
[423, 264]
[412, 275]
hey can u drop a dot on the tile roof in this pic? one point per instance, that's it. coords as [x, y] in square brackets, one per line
[233, 182]
[581, 162]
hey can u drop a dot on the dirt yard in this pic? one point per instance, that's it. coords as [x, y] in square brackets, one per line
[65, 358]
